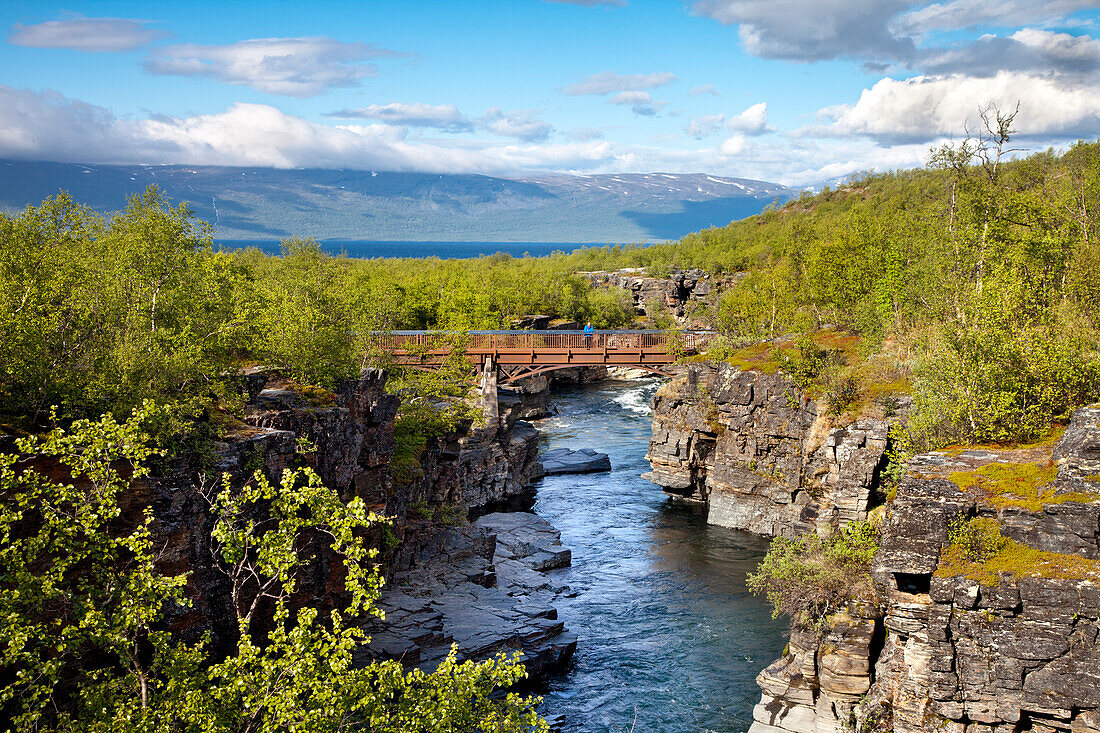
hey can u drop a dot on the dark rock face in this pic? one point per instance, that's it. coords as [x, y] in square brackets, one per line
[958, 654]
[651, 294]
[760, 454]
[476, 467]
[585, 460]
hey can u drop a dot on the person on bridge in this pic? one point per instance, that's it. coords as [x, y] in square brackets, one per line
[588, 333]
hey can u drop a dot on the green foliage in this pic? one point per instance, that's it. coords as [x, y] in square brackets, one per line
[84, 646]
[101, 314]
[993, 381]
[806, 363]
[842, 394]
[811, 577]
[977, 538]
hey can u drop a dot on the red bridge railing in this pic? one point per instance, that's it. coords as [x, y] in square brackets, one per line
[546, 349]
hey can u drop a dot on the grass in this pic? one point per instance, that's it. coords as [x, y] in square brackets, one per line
[1023, 485]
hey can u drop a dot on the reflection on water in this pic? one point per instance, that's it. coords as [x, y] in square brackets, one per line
[670, 637]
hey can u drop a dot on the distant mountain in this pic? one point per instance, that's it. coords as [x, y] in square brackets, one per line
[268, 203]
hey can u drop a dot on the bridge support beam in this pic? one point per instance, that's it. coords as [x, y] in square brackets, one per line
[489, 406]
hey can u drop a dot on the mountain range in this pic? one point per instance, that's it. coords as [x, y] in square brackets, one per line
[264, 204]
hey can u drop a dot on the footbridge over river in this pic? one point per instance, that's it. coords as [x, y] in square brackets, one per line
[518, 354]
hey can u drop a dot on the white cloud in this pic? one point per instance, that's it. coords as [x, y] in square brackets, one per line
[1028, 49]
[48, 126]
[641, 103]
[520, 124]
[297, 67]
[924, 108]
[94, 35]
[441, 116]
[703, 90]
[959, 14]
[753, 121]
[733, 145]
[608, 81]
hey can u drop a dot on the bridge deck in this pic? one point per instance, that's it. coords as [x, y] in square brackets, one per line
[541, 351]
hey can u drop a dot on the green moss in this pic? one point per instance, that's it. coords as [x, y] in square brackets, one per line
[317, 396]
[1014, 560]
[1024, 485]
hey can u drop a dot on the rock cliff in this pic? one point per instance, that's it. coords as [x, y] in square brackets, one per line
[1006, 639]
[652, 295]
[762, 455]
[471, 471]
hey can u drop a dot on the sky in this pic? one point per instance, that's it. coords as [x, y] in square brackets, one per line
[789, 91]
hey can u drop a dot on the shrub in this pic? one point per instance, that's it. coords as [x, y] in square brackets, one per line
[842, 394]
[811, 577]
[83, 646]
[993, 382]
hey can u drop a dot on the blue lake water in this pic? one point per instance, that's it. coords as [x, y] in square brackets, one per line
[443, 250]
[670, 638]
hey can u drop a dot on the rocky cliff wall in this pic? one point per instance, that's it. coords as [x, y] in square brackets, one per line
[1004, 644]
[651, 295]
[762, 455]
[470, 471]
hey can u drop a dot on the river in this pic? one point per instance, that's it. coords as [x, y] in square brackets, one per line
[670, 637]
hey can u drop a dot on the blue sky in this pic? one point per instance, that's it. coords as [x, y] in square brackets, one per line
[793, 91]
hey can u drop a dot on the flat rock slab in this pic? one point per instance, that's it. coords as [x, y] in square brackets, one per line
[484, 588]
[585, 460]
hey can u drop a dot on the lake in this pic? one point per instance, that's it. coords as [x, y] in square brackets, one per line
[443, 250]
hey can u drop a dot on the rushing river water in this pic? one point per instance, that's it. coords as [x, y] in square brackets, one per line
[670, 637]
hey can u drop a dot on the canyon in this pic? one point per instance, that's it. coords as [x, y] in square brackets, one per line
[938, 646]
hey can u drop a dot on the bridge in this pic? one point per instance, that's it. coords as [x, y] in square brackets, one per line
[519, 354]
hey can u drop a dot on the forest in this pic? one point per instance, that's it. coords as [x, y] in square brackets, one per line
[976, 279]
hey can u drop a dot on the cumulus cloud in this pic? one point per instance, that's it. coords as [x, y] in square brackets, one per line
[924, 108]
[607, 82]
[884, 34]
[733, 145]
[703, 90]
[641, 103]
[296, 67]
[813, 30]
[441, 117]
[95, 35]
[753, 121]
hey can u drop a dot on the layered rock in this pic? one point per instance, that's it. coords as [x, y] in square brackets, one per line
[760, 453]
[964, 651]
[817, 685]
[653, 295]
[488, 588]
